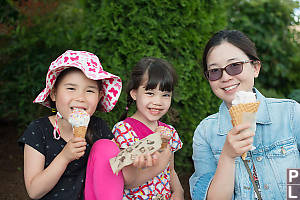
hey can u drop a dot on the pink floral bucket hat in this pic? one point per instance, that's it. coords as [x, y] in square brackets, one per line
[90, 65]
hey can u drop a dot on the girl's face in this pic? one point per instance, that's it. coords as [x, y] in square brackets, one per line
[225, 88]
[151, 104]
[75, 90]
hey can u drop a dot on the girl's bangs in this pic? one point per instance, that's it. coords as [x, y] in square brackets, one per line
[158, 75]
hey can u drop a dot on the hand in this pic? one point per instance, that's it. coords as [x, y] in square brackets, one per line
[74, 149]
[147, 160]
[238, 141]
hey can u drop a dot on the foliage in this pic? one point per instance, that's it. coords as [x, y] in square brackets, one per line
[267, 23]
[34, 33]
[120, 33]
[124, 32]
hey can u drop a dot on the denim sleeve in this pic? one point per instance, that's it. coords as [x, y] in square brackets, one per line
[204, 163]
[296, 123]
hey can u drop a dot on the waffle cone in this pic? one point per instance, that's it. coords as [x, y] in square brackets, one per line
[79, 131]
[236, 113]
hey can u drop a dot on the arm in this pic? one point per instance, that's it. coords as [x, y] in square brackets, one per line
[210, 177]
[176, 188]
[40, 181]
[135, 176]
[237, 142]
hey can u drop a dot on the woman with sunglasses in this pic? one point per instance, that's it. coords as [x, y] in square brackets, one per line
[230, 65]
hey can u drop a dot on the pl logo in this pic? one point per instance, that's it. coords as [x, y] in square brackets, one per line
[293, 184]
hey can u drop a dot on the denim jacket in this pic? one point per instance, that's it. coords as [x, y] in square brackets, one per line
[277, 142]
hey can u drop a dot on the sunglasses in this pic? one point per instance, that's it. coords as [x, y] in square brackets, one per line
[231, 69]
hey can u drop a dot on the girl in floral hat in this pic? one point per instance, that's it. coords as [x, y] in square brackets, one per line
[150, 89]
[54, 160]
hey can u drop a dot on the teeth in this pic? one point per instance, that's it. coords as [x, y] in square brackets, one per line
[230, 88]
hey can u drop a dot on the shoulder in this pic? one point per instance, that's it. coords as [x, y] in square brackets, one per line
[122, 126]
[38, 125]
[207, 121]
[206, 126]
[124, 134]
[282, 105]
[36, 133]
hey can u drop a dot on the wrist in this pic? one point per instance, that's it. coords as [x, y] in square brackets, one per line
[63, 159]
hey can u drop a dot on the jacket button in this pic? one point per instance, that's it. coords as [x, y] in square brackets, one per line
[266, 186]
[259, 158]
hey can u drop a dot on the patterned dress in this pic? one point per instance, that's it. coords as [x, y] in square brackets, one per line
[128, 132]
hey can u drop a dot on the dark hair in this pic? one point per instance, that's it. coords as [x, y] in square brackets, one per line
[159, 72]
[234, 37]
[90, 130]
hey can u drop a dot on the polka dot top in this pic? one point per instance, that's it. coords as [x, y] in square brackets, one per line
[71, 184]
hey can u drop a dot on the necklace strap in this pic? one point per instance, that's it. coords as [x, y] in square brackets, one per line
[252, 179]
[56, 129]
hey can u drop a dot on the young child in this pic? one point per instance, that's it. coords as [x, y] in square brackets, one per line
[151, 86]
[230, 65]
[54, 160]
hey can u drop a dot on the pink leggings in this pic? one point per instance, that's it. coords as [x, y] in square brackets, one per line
[101, 182]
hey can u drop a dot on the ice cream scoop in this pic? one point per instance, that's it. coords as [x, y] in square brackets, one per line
[244, 97]
[79, 119]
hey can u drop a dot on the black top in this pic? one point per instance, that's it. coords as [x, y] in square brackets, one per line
[39, 135]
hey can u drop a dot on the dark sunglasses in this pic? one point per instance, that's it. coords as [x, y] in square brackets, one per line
[231, 69]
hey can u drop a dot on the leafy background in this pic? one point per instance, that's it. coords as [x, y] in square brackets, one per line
[34, 33]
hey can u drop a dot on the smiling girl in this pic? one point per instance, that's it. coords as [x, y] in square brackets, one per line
[54, 160]
[150, 88]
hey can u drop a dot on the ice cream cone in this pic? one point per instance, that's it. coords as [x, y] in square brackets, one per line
[79, 119]
[165, 133]
[79, 131]
[236, 113]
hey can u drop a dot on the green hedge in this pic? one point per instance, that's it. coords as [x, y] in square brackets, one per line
[120, 33]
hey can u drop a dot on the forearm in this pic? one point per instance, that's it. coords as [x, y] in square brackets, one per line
[223, 180]
[134, 176]
[44, 181]
[176, 185]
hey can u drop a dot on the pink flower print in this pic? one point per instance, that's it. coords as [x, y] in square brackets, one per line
[105, 85]
[89, 64]
[109, 97]
[112, 90]
[92, 70]
[73, 53]
[118, 85]
[66, 59]
[76, 58]
[93, 62]
[111, 81]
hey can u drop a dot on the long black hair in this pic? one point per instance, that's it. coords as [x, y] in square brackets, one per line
[234, 37]
[156, 71]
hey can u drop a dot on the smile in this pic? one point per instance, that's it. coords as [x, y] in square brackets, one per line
[83, 108]
[155, 111]
[230, 88]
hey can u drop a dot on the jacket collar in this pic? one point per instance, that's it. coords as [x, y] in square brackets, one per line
[262, 115]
